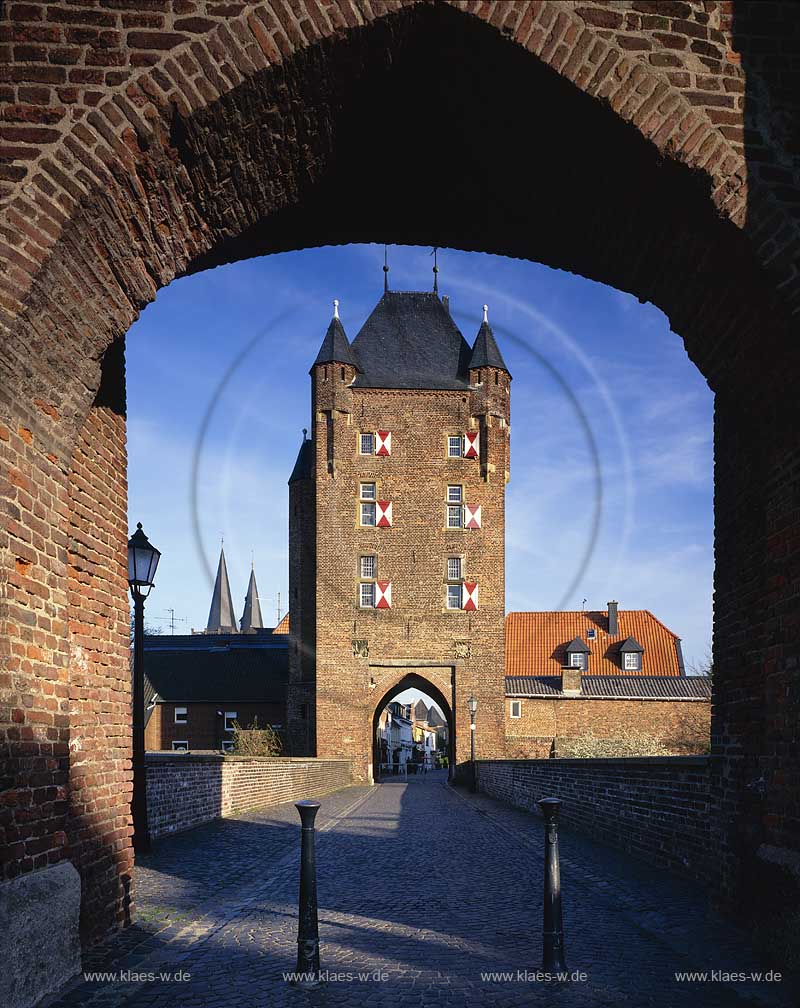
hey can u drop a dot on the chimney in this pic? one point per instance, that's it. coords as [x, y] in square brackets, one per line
[571, 681]
[613, 625]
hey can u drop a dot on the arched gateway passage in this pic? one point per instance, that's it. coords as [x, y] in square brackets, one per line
[543, 131]
[414, 680]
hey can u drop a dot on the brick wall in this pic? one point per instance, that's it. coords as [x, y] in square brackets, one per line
[184, 790]
[653, 808]
[204, 729]
[682, 727]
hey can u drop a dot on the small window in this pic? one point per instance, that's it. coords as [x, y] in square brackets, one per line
[230, 717]
[591, 634]
[454, 568]
[631, 661]
[576, 659]
[455, 494]
[516, 708]
[180, 746]
[368, 567]
[366, 595]
[366, 444]
[367, 491]
[181, 715]
[227, 745]
[454, 596]
[455, 516]
[367, 514]
[455, 446]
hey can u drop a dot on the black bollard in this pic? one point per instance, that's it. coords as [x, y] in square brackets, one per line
[553, 941]
[308, 923]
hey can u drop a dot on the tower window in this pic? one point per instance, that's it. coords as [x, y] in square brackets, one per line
[454, 569]
[367, 492]
[454, 596]
[366, 594]
[455, 494]
[368, 566]
[367, 514]
[455, 516]
[366, 444]
[455, 446]
[516, 708]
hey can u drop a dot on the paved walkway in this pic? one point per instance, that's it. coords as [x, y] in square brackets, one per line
[424, 891]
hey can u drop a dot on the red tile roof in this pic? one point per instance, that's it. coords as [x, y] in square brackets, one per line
[283, 626]
[535, 642]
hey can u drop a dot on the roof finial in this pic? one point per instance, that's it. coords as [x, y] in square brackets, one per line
[385, 268]
[305, 433]
[336, 307]
[486, 313]
[435, 254]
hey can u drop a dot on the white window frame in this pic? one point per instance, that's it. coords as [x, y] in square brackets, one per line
[458, 496]
[452, 575]
[630, 656]
[591, 634]
[453, 511]
[457, 588]
[455, 441]
[180, 745]
[370, 588]
[364, 571]
[371, 436]
[516, 705]
[181, 720]
[230, 716]
[227, 745]
[576, 659]
[367, 509]
[367, 494]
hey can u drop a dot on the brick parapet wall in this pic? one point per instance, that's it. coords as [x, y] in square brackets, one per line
[655, 808]
[185, 790]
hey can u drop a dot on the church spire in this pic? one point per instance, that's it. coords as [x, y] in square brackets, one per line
[335, 346]
[220, 616]
[251, 617]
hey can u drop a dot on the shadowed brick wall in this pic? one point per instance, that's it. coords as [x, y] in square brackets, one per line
[656, 809]
[185, 790]
[143, 141]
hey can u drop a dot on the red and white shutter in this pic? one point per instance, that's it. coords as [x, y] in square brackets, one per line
[383, 442]
[383, 594]
[472, 516]
[471, 444]
[383, 514]
[469, 596]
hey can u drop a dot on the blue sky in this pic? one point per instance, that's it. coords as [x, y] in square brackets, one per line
[611, 427]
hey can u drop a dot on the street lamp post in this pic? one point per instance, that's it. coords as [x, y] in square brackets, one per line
[142, 563]
[472, 704]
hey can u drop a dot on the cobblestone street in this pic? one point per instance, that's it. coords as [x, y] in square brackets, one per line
[422, 889]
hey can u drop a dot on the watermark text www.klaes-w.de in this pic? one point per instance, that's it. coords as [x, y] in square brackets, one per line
[338, 976]
[723, 976]
[535, 976]
[133, 976]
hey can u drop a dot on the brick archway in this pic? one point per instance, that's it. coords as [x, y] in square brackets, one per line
[142, 146]
[433, 686]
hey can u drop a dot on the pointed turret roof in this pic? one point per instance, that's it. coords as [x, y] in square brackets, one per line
[251, 617]
[220, 616]
[303, 467]
[485, 351]
[335, 347]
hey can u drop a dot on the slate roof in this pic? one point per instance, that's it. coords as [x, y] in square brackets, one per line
[618, 687]
[577, 646]
[411, 341]
[485, 351]
[304, 465]
[221, 617]
[335, 346]
[228, 673]
[536, 642]
[251, 617]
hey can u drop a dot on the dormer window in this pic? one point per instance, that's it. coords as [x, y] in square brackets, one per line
[631, 661]
[577, 654]
[577, 660]
[630, 655]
